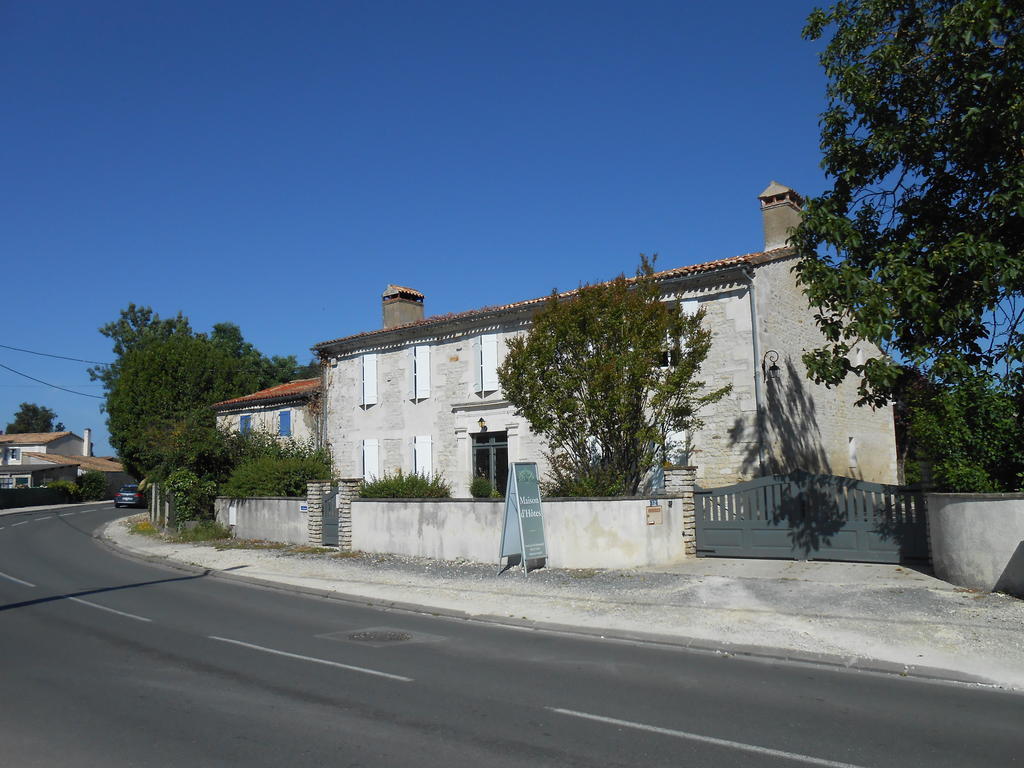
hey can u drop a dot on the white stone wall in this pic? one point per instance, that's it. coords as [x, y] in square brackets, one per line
[265, 419]
[449, 415]
[579, 533]
[810, 426]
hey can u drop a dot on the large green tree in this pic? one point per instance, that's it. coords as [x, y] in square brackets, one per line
[162, 383]
[33, 418]
[918, 247]
[605, 375]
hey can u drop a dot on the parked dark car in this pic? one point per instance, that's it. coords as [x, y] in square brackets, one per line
[129, 496]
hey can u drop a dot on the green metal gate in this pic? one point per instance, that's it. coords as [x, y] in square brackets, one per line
[802, 516]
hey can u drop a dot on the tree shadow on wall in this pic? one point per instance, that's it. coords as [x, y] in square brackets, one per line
[791, 432]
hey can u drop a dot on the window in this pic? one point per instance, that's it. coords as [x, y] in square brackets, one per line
[21, 482]
[490, 458]
[284, 424]
[245, 423]
[420, 372]
[14, 453]
[371, 460]
[369, 388]
[487, 363]
[421, 458]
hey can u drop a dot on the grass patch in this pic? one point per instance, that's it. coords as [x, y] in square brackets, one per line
[207, 530]
[142, 527]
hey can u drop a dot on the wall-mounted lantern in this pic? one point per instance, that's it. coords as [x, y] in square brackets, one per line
[769, 365]
[482, 424]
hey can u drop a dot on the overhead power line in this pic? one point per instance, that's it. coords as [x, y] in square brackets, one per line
[65, 389]
[59, 357]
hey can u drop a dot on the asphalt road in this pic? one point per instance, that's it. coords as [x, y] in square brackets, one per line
[108, 661]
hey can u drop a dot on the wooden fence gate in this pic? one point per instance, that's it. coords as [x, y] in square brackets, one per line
[812, 517]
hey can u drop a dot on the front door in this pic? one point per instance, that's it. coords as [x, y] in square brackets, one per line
[490, 458]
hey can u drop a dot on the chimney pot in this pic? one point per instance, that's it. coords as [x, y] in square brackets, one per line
[401, 306]
[780, 213]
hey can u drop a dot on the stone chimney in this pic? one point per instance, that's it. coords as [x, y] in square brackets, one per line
[402, 306]
[780, 213]
[87, 442]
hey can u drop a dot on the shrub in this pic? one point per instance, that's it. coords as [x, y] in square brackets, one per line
[402, 486]
[271, 476]
[93, 485]
[73, 492]
[207, 530]
[481, 488]
[193, 496]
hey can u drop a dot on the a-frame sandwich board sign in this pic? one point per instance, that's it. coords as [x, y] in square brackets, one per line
[523, 531]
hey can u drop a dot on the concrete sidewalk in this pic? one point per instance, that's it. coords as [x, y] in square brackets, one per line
[878, 617]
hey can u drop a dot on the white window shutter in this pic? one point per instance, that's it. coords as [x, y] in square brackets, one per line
[369, 379]
[488, 362]
[422, 455]
[478, 381]
[421, 358]
[371, 460]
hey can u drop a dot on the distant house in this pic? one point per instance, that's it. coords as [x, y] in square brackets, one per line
[32, 459]
[290, 410]
[14, 446]
[422, 393]
[112, 469]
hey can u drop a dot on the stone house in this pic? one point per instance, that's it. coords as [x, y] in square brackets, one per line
[289, 410]
[422, 393]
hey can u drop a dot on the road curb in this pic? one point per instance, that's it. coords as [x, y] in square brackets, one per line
[719, 649]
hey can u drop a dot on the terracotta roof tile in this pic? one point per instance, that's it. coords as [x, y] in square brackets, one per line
[85, 462]
[296, 389]
[749, 259]
[32, 438]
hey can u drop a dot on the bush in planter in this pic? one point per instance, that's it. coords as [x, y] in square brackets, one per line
[402, 486]
[93, 485]
[73, 492]
[481, 488]
[272, 476]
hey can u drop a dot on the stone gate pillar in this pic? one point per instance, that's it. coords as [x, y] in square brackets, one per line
[315, 492]
[679, 484]
[348, 489]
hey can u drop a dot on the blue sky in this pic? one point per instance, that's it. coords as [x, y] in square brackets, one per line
[277, 164]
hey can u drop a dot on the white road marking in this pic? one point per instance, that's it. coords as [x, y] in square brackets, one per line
[109, 610]
[37, 519]
[16, 581]
[65, 514]
[21, 523]
[708, 740]
[313, 659]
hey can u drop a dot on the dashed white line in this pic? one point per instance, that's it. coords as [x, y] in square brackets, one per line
[739, 745]
[109, 610]
[339, 665]
[48, 517]
[21, 523]
[16, 581]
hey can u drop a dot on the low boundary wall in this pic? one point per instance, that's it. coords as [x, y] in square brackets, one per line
[271, 518]
[12, 498]
[580, 533]
[977, 540]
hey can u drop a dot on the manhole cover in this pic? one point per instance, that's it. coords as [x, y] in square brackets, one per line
[380, 636]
